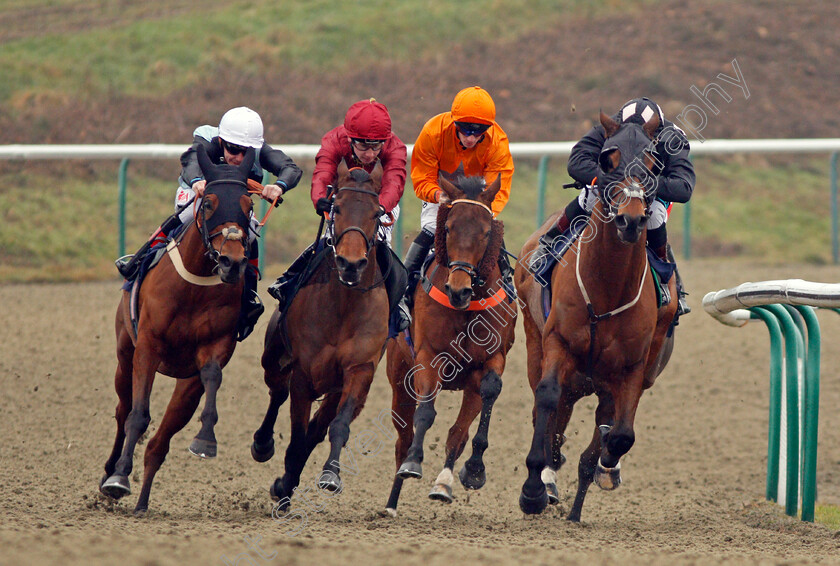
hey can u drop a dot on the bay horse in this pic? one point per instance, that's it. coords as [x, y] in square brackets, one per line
[329, 341]
[458, 343]
[186, 328]
[604, 333]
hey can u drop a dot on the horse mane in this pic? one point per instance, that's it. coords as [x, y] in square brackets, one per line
[359, 175]
[494, 247]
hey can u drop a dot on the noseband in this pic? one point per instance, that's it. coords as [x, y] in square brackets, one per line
[465, 266]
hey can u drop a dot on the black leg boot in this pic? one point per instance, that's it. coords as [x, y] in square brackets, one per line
[252, 306]
[507, 273]
[682, 304]
[129, 265]
[414, 258]
[280, 288]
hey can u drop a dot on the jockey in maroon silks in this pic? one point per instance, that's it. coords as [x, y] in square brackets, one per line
[364, 140]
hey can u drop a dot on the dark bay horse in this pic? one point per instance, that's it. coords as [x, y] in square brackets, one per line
[186, 328]
[462, 330]
[604, 333]
[330, 339]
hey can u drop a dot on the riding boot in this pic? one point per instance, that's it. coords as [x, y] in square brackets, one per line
[252, 306]
[662, 253]
[280, 288]
[129, 265]
[507, 273]
[682, 304]
[414, 259]
[572, 212]
[395, 280]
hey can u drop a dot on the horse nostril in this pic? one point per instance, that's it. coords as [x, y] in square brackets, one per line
[340, 262]
[224, 261]
[361, 264]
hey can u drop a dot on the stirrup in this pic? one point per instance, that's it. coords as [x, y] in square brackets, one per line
[126, 267]
[403, 316]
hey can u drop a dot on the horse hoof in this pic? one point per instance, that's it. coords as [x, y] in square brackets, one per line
[533, 505]
[203, 448]
[329, 481]
[472, 480]
[262, 454]
[441, 492]
[389, 512]
[115, 487]
[553, 494]
[279, 494]
[608, 479]
[410, 470]
[140, 513]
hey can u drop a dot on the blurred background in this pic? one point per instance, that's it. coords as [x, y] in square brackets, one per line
[121, 72]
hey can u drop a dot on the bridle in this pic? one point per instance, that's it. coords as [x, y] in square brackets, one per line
[465, 266]
[228, 233]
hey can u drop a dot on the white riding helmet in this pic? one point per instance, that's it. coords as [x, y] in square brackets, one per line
[242, 126]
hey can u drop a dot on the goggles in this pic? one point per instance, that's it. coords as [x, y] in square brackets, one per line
[471, 128]
[365, 145]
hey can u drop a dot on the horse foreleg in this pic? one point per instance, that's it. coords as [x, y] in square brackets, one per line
[262, 449]
[180, 410]
[555, 438]
[472, 475]
[204, 443]
[534, 498]
[357, 382]
[301, 405]
[145, 364]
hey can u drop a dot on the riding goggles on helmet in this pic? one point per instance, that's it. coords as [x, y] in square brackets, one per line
[471, 128]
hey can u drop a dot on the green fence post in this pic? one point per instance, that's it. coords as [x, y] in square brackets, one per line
[542, 174]
[774, 426]
[261, 237]
[122, 190]
[812, 412]
[793, 340]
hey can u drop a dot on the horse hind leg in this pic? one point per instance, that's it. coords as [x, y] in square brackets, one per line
[472, 474]
[122, 384]
[296, 455]
[180, 410]
[402, 413]
[204, 443]
[117, 485]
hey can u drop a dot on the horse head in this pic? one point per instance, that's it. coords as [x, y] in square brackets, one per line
[224, 217]
[468, 236]
[627, 186]
[356, 219]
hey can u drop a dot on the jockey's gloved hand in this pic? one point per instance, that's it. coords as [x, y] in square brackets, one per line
[323, 205]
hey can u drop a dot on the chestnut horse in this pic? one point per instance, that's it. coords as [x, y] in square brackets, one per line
[458, 344]
[186, 328]
[330, 339]
[604, 333]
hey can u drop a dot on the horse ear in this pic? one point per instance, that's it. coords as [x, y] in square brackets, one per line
[204, 162]
[610, 125]
[488, 195]
[451, 190]
[341, 172]
[652, 125]
[248, 161]
[376, 175]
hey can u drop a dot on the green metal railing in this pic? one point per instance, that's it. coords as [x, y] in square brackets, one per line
[790, 342]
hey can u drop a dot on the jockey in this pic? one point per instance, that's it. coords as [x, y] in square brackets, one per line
[467, 135]
[674, 180]
[364, 140]
[239, 129]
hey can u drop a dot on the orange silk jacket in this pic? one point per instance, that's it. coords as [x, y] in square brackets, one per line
[438, 149]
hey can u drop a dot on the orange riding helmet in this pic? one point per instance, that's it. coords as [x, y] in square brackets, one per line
[474, 105]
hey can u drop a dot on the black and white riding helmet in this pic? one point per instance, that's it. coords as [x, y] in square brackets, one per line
[640, 110]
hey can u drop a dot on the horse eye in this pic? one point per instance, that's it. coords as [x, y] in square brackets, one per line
[207, 205]
[335, 209]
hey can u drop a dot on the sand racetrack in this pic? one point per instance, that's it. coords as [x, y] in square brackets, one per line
[693, 489]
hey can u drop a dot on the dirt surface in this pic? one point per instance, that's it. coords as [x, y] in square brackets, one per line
[693, 489]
